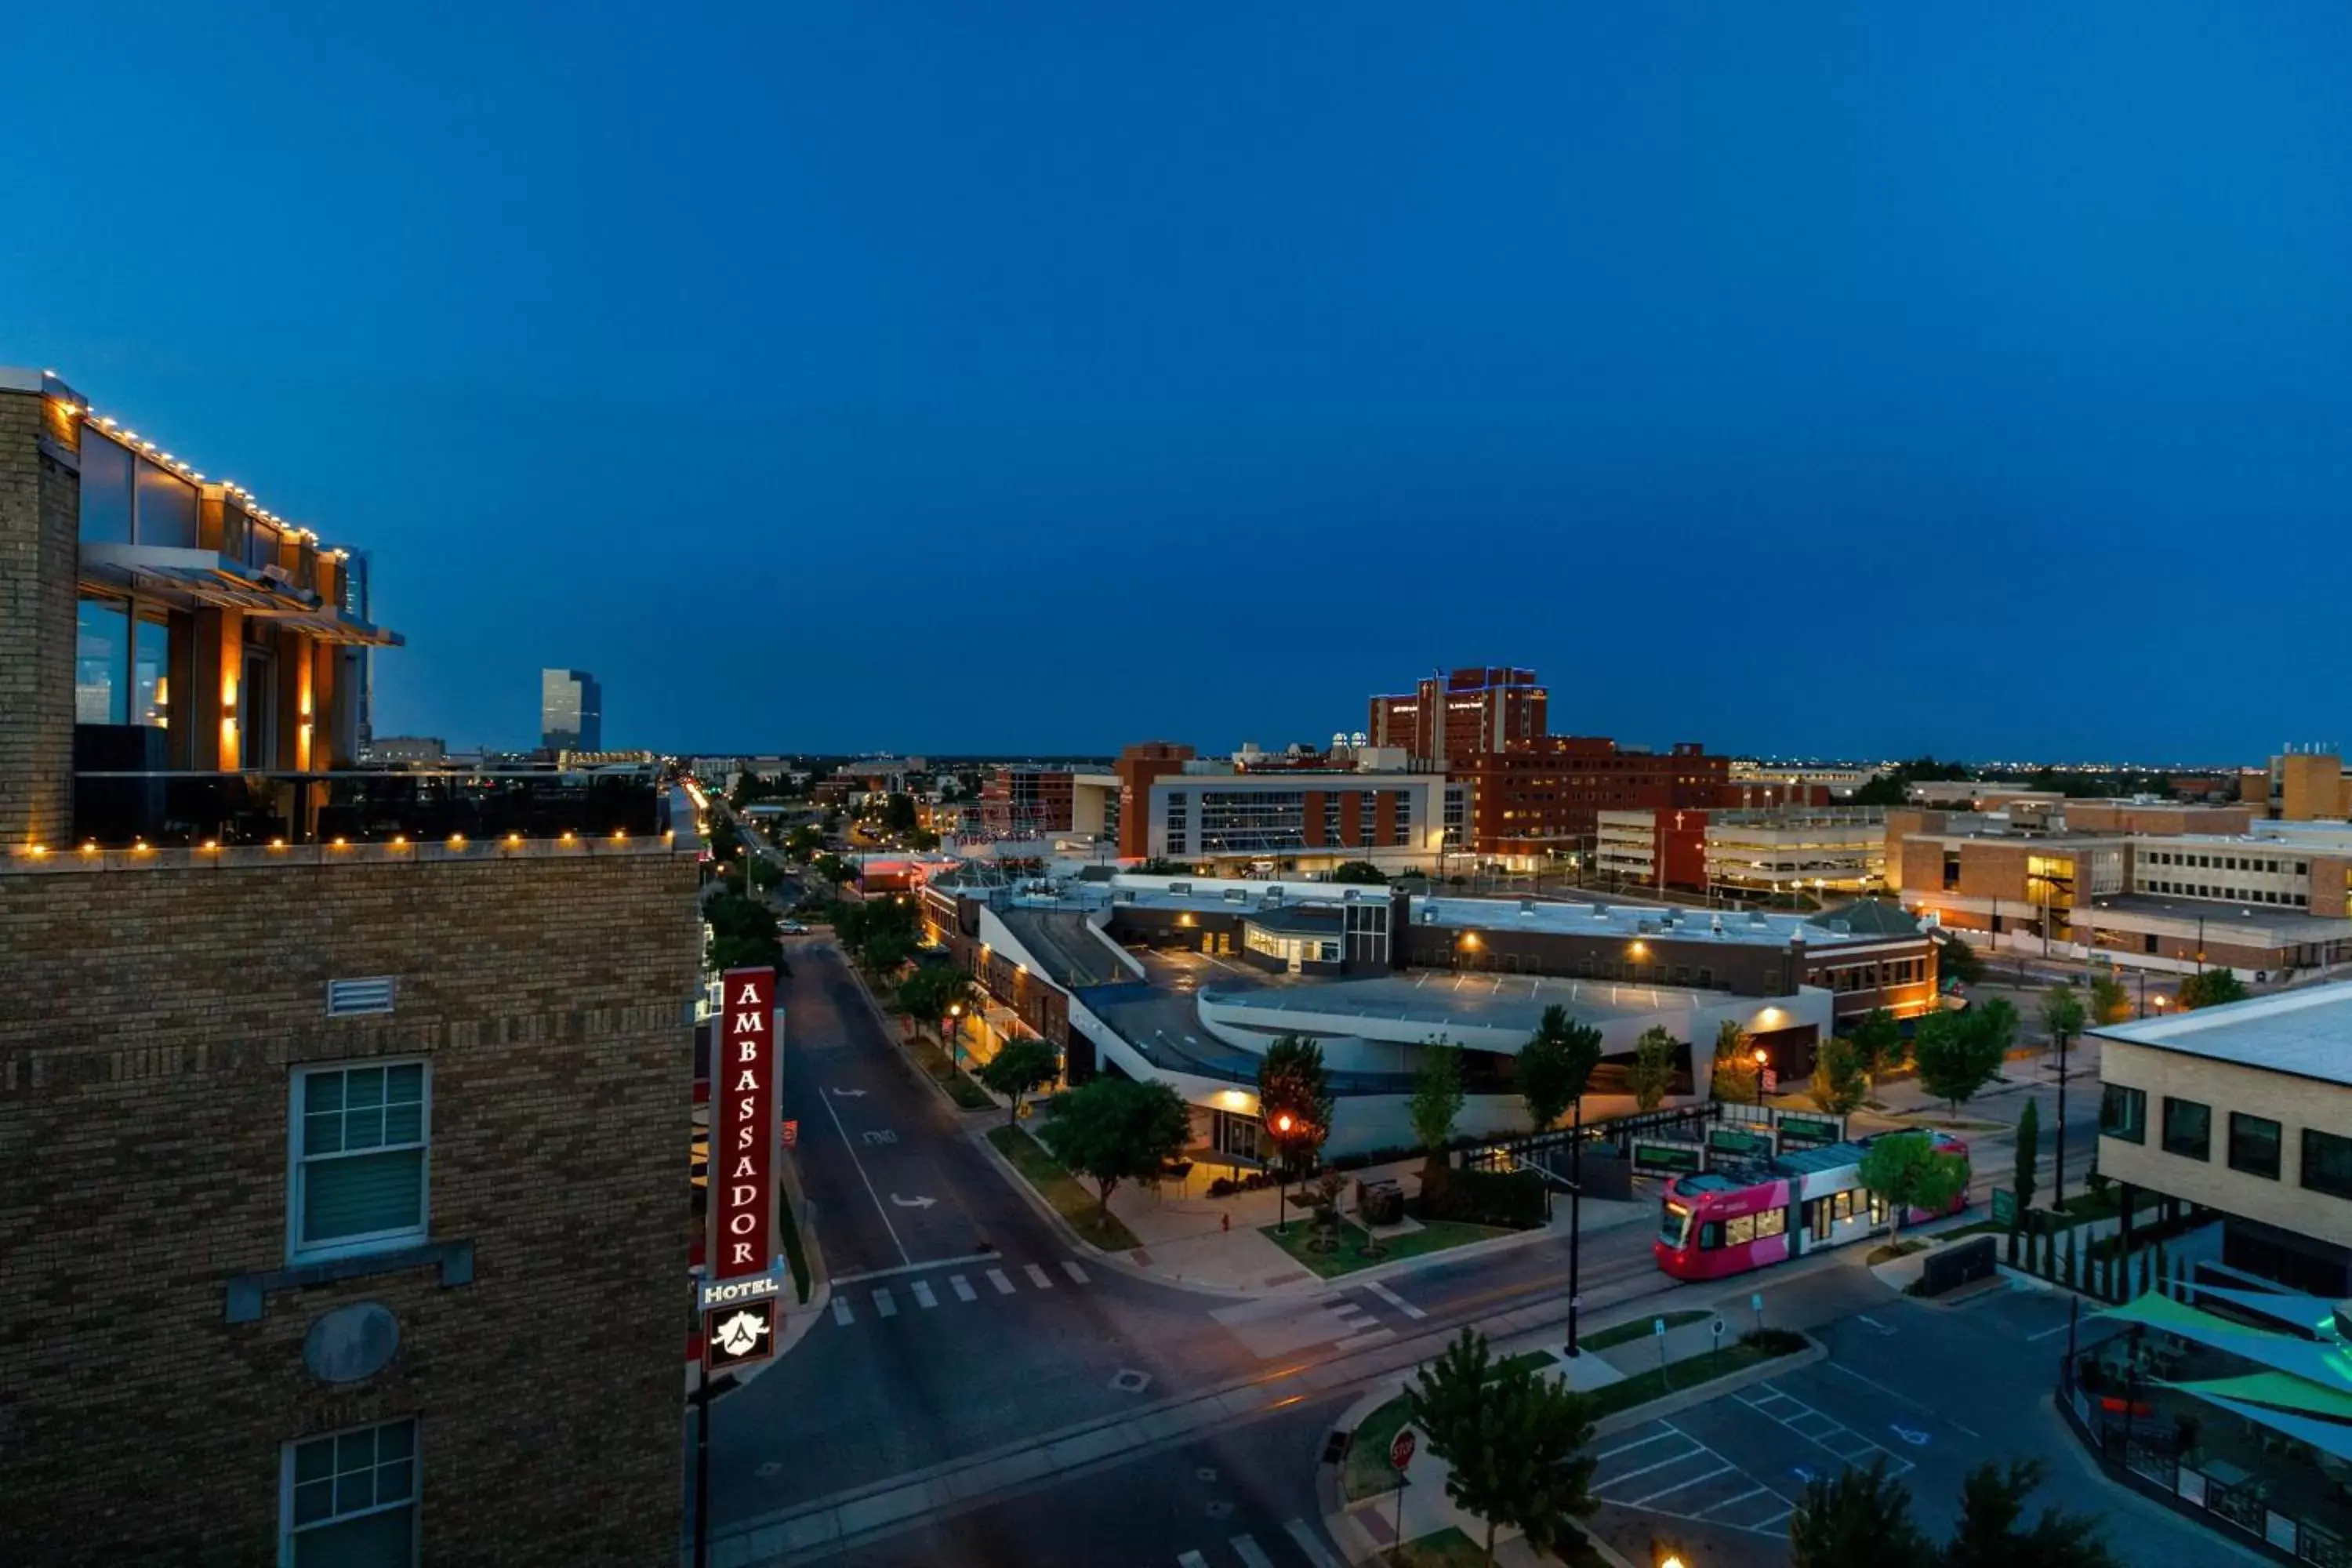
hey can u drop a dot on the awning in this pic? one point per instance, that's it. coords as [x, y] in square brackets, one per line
[208, 578]
[2326, 1364]
[2325, 1436]
[2279, 1391]
[2314, 1313]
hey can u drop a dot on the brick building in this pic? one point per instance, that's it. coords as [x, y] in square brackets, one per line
[325, 1097]
[1452, 717]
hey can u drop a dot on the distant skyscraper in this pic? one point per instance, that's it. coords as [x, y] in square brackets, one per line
[571, 710]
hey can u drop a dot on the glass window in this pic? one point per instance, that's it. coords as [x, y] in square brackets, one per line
[1670, 1228]
[2123, 1113]
[360, 1141]
[2326, 1163]
[1740, 1231]
[1772, 1222]
[2188, 1128]
[167, 508]
[2253, 1145]
[351, 1498]
[1843, 1207]
[260, 542]
[151, 663]
[102, 662]
[105, 489]
[1710, 1235]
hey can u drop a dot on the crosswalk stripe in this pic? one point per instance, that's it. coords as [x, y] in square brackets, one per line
[1252, 1553]
[1077, 1275]
[882, 1302]
[1393, 1300]
[965, 1292]
[1191, 1560]
[923, 1297]
[841, 1309]
[1037, 1277]
[1300, 1532]
[1003, 1286]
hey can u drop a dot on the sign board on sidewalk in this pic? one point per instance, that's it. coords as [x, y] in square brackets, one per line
[1772, 1080]
[1400, 1448]
[2004, 1206]
[1667, 1159]
[1739, 1141]
[1808, 1132]
[744, 1129]
[738, 1335]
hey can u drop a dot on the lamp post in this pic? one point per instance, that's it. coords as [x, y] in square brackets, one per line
[1763, 1059]
[1282, 1126]
[955, 1036]
[1575, 1222]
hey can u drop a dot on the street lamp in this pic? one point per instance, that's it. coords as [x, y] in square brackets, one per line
[955, 1034]
[1763, 1060]
[1282, 1126]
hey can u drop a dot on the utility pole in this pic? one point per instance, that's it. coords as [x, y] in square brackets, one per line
[1575, 1223]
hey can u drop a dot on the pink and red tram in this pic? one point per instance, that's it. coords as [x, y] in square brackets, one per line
[1731, 1220]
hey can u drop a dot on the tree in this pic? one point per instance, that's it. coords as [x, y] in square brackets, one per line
[1292, 1084]
[1020, 1068]
[2029, 1155]
[2110, 1003]
[1556, 1064]
[1906, 1170]
[1956, 960]
[764, 873]
[1358, 871]
[932, 992]
[743, 935]
[898, 813]
[2210, 988]
[1857, 1518]
[1956, 1056]
[2063, 1015]
[1995, 1023]
[1511, 1441]
[1992, 1503]
[922, 840]
[1436, 1100]
[1735, 1076]
[1879, 1040]
[1651, 1072]
[1117, 1130]
[834, 869]
[1839, 1084]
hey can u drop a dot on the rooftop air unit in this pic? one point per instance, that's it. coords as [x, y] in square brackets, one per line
[1274, 894]
[1600, 911]
[1526, 906]
[1183, 888]
[1236, 895]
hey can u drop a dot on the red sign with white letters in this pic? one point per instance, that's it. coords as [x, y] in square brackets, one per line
[744, 1129]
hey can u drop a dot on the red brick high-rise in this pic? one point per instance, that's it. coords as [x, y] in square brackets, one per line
[1450, 718]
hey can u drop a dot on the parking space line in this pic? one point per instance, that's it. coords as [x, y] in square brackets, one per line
[1638, 1442]
[1691, 1453]
[1743, 1496]
[883, 1304]
[1077, 1275]
[1898, 1394]
[965, 1292]
[1678, 1485]
[923, 1297]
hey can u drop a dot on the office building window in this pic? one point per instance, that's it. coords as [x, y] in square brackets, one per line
[102, 662]
[361, 1138]
[2326, 1163]
[151, 663]
[2187, 1128]
[105, 490]
[351, 1499]
[2123, 1113]
[2253, 1145]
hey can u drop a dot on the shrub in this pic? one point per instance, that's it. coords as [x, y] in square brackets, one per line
[1222, 1187]
[1779, 1341]
[1515, 1199]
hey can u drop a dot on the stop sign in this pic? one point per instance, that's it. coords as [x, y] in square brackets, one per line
[1400, 1448]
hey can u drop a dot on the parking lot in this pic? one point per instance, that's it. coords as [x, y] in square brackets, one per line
[1932, 1390]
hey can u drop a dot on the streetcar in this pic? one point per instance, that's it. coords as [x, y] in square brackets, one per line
[1754, 1214]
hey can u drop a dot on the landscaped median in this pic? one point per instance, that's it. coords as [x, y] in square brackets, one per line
[1430, 1236]
[1070, 1199]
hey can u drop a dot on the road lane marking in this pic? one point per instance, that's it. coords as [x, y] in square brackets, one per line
[1191, 1560]
[1003, 1286]
[1037, 1277]
[1678, 1485]
[1300, 1532]
[1252, 1553]
[1077, 1275]
[1393, 1300]
[904, 1256]
[923, 1297]
[882, 1302]
[841, 1311]
[965, 1292]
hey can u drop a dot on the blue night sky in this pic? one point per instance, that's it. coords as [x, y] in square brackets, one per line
[1845, 378]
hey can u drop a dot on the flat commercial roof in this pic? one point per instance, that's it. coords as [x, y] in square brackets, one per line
[1599, 918]
[2221, 917]
[2305, 1033]
[1438, 997]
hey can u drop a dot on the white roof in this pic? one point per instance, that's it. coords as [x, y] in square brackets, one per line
[2307, 1033]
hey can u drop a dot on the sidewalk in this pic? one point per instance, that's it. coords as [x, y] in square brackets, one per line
[1190, 1238]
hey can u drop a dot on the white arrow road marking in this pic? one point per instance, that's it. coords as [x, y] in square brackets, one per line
[849, 1093]
[912, 1202]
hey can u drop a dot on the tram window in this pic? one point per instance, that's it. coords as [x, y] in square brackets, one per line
[1844, 1210]
[1772, 1222]
[1710, 1235]
[1740, 1231]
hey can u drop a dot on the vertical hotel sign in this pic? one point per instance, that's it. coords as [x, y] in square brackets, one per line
[743, 1130]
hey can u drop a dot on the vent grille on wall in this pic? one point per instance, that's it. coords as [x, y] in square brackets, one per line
[347, 998]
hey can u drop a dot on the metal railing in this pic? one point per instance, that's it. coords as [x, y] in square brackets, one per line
[115, 810]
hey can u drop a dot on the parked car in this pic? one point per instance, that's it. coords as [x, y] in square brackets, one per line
[794, 928]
